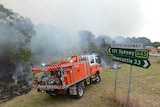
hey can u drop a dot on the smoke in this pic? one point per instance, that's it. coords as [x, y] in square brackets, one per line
[18, 72]
[5, 36]
[102, 17]
[52, 41]
[23, 72]
[14, 77]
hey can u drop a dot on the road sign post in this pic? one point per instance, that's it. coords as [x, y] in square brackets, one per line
[115, 87]
[129, 84]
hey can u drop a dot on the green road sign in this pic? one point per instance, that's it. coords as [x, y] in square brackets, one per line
[136, 53]
[141, 62]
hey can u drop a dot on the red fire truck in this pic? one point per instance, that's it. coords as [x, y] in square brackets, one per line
[69, 76]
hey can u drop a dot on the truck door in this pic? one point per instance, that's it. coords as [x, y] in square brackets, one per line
[93, 64]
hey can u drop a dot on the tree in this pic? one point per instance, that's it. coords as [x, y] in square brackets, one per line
[15, 33]
[106, 40]
[25, 30]
[145, 41]
[156, 44]
[86, 37]
[92, 47]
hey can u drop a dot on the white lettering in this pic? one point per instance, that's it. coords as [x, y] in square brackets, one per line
[131, 45]
[126, 52]
[125, 60]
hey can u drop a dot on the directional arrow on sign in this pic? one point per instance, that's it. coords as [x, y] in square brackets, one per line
[146, 64]
[109, 50]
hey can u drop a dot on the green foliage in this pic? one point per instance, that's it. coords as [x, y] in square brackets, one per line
[7, 50]
[14, 55]
[25, 55]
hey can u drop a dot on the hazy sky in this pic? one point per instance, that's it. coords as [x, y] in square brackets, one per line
[138, 18]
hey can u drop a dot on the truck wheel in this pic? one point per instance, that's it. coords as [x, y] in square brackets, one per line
[80, 91]
[98, 78]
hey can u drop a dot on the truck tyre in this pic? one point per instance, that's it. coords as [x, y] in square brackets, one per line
[80, 91]
[98, 78]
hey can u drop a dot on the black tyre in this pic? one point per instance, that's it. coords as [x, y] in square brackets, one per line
[98, 78]
[80, 91]
[91, 79]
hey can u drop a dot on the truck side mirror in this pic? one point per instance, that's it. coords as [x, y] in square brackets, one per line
[99, 59]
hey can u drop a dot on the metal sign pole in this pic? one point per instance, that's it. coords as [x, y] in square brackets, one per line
[115, 85]
[129, 86]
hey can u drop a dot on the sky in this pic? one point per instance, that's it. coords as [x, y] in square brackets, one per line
[128, 18]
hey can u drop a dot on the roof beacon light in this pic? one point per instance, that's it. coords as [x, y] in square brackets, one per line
[43, 64]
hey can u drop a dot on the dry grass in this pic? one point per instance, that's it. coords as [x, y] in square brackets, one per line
[158, 60]
[135, 100]
[145, 91]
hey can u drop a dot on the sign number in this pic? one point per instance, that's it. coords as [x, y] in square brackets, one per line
[142, 53]
[137, 62]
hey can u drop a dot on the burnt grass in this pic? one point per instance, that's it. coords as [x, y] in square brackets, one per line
[8, 88]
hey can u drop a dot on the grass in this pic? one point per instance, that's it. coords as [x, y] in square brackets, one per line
[145, 91]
